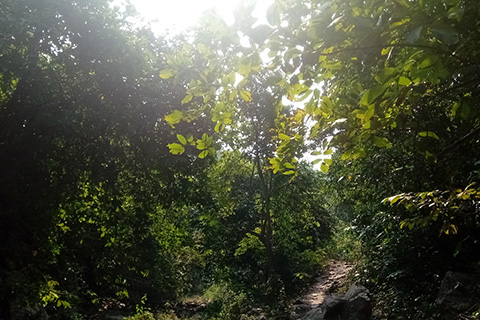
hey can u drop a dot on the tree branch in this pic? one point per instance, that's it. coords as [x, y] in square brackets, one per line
[399, 45]
[461, 140]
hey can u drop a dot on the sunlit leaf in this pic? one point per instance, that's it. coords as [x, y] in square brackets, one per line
[174, 117]
[429, 134]
[187, 98]
[176, 148]
[404, 81]
[324, 167]
[386, 51]
[167, 73]
[392, 200]
[246, 95]
[181, 139]
[288, 165]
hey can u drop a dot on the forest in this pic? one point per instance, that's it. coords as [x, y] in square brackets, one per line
[215, 173]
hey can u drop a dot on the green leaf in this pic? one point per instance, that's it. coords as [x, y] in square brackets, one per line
[429, 134]
[372, 94]
[289, 172]
[274, 14]
[203, 154]
[288, 165]
[283, 137]
[358, 153]
[427, 62]
[246, 95]
[324, 167]
[187, 98]
[404, 81]
[346, 155]
[456, 13]
[167, 73]
[244, 67]
[219, 127]
[413, 36]
[232, 77]
[369, 113]
[176, 148]
[205, 142]
[380, 142]
[446, 35]
[260, 33]
[181, 139]
[272, 81]
[275, 164]
[393, 199]
[174, 117]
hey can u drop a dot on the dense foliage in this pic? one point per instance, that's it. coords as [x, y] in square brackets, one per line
[137, 170]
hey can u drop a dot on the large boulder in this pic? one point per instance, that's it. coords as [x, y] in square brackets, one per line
[355, 304]
[458, 291]
[358, 305]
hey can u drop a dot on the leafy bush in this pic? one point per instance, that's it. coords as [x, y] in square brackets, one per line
[227, 304]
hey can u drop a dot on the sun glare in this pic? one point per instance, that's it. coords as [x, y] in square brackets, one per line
[178, 15]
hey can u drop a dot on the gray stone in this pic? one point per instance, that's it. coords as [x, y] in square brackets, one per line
[332, 306]
[358, 305]
[314, 314]
[301, 308]
[459, 291]
[355, 304]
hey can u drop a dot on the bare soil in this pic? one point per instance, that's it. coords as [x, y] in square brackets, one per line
[328, 282]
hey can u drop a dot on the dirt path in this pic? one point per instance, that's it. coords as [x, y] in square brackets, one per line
[328, 282]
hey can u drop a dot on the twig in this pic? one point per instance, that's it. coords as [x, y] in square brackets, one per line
[461, 140]
[398, 45]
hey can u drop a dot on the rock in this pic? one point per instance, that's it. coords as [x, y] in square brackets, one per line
[355, 304]
[458, 291]
[356, 290]
[358, 305]
[314, 314]
[115, 315]
[332, 306]
[255, 312]
[301, 308]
